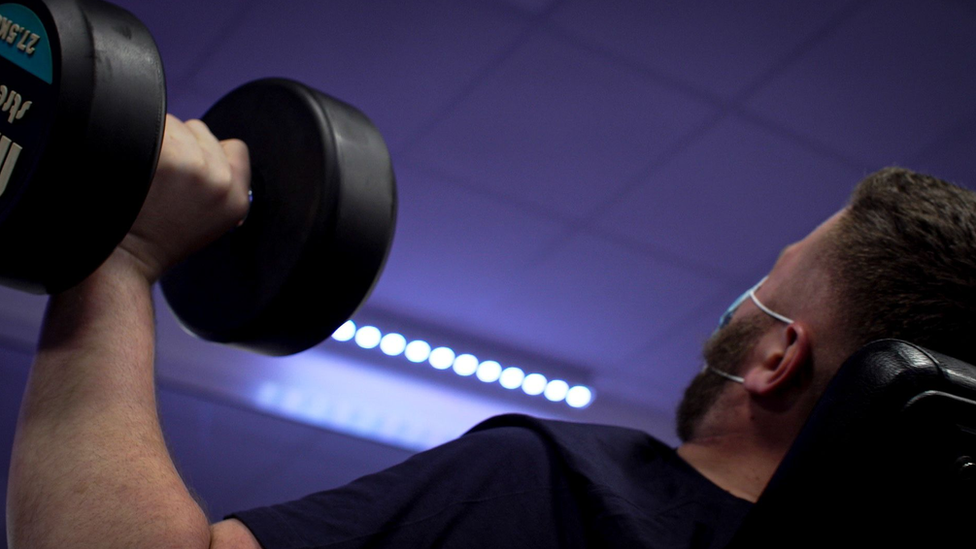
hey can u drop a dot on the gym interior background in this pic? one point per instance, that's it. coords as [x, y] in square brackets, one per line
[584, 186]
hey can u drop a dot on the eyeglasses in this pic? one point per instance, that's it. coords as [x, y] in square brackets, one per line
[726, 318]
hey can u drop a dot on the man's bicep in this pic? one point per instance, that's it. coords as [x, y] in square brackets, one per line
[232, 534]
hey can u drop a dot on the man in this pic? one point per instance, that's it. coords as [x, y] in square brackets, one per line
[90, 467]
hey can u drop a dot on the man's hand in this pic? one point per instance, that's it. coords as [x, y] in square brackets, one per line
[89, 466]
[199, 192]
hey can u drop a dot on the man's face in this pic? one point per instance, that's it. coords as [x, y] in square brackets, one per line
[795, 287]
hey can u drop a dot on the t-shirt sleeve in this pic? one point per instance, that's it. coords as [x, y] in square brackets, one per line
[489, 488]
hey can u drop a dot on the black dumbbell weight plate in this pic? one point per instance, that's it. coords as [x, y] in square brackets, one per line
[319, 229]
[87, 143]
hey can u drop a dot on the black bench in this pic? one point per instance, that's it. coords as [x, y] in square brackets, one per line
[886, 459]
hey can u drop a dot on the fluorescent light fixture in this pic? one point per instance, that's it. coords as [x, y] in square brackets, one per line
[465, 365]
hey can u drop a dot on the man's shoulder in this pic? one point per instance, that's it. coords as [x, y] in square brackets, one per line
[578, 445]
[525, 426]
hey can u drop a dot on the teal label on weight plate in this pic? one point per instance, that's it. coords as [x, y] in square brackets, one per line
[24, 41]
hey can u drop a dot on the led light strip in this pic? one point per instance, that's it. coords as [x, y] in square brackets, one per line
[465, 365]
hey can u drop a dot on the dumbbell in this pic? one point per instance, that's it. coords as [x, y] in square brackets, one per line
[82, 110]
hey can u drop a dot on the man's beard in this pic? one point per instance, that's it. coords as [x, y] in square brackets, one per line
[726, 351]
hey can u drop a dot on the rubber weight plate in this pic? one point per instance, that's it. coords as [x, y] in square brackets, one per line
[83, 105]
[317, 234]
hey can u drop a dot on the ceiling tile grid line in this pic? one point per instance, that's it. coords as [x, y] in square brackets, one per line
[800, 50]
[586, 224]
[895, 77]
[560, 127]
[734, 107]
[668, 256]
[716, 46]
[532, 27]
[658, 76]
[456, 181]
[695, 92]
[788, 134]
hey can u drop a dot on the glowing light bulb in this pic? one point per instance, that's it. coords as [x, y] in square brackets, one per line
[368, 337]
[534, 384]
[579, 397]
[489, 371]
[345, 332]
[442, 358]
[465, 365]
[417, 351]
[556, 390]
[512, 377]
[393, 344]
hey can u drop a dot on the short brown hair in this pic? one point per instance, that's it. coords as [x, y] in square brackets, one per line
[904, 259]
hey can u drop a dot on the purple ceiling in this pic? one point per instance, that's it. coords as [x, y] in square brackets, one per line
[591, 182]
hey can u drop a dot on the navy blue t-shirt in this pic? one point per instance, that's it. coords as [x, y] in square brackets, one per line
[516, 482]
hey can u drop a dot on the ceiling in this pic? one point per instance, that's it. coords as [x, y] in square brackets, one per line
[590, 183]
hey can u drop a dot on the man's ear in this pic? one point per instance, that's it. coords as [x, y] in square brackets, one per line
[784, 358]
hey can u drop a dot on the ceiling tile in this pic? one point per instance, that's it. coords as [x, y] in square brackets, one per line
[593, 302]
[455, 250]
[732, 199]
[721, 47]
[888, 81]
[559, 127]
[399, 62]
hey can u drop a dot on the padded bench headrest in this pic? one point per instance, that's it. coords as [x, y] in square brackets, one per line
[888, 456]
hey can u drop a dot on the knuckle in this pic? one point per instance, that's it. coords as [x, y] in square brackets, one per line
[196, 124]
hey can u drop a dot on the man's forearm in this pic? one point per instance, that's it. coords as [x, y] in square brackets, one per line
[89, 466]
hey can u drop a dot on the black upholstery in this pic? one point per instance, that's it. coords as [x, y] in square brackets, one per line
[887, 459]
